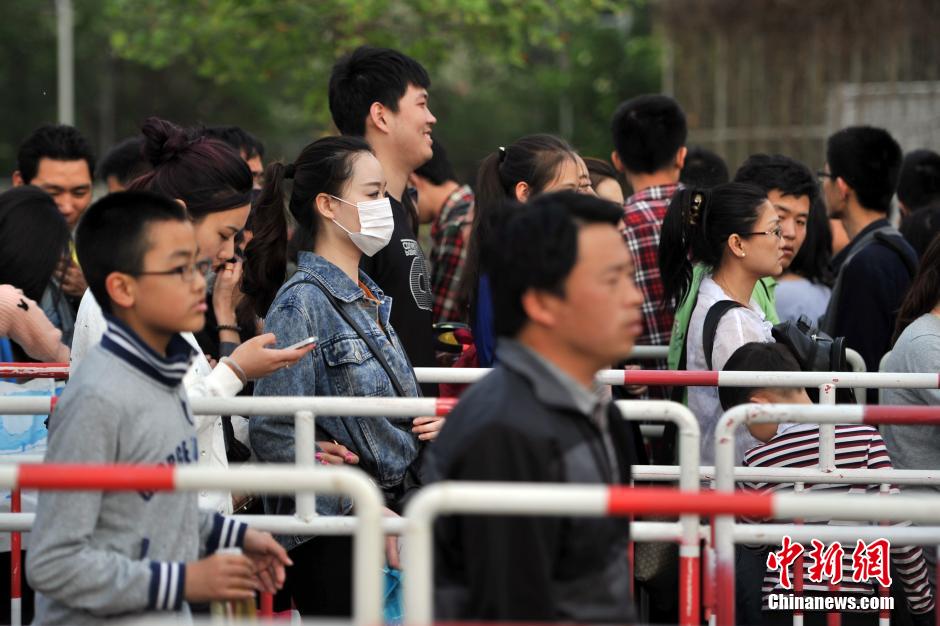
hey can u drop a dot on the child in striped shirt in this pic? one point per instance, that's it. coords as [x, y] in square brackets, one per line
[857, 446]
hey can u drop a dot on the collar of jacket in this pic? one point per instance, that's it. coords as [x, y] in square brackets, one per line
[334, 279]
[547, 382]
[127, 345]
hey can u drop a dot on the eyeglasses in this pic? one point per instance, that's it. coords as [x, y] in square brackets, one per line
[777, 232]
[822, 174]
[187, 273]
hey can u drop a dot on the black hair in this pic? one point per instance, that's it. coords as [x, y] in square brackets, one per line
[776, 171]
[33, 239]
[924, 293]
[209, 176]
[533, 159]
[323, 166]
[599, 170]
[368, 75]
[438, 169]
[696, 230]
[535, 246]
[113, 236]
[756, 357]
[919, 180]
[921, 227]
[238, 138]
[868, 159]
[125, 161]
[703, 169]
[813, 261]
[647, 132]
[53, 141]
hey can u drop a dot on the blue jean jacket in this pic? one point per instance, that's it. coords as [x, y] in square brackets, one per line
[340, 365]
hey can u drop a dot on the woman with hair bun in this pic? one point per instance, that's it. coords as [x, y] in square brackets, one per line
[214, 184]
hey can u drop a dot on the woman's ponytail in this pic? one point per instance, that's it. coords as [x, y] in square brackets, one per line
[682, 223]
[266, 254]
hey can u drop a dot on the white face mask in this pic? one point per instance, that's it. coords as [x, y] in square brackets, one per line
[375, 225]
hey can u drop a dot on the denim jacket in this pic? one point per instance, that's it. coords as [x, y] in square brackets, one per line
[340, 365]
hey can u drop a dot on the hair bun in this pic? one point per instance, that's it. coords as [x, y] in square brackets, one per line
[163, 140]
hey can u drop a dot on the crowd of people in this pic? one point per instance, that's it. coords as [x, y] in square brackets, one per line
[203, 273]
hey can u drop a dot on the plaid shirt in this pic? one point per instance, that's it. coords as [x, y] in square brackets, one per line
[643, 219]
[449, 236]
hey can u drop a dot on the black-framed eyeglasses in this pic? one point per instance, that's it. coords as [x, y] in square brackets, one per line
[822, 174]
[776, 232]
[187, 273]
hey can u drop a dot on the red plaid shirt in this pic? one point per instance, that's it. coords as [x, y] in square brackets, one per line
[449, 236]
[643, 219]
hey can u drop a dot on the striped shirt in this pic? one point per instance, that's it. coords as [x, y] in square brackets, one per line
[856, 447]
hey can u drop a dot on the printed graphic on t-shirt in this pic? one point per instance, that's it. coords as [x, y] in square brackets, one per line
[420, 275]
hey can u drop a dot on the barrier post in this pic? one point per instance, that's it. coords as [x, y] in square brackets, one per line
[827, 432]
[305, 454]
[798, 566]
[16, 565]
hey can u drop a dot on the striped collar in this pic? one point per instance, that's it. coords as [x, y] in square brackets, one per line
[124, 343]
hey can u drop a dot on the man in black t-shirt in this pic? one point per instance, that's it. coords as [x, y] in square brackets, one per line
[381, 95]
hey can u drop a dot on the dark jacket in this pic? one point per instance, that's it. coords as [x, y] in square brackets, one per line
[520, 424]
[871, 283]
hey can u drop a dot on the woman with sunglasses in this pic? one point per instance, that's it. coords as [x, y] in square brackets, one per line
[734, 231]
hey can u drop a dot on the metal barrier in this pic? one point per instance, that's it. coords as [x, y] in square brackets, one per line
[601, 501]
[368, 553]
[763, 413]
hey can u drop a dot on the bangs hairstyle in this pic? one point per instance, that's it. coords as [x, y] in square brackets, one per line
[776, 171]
[369, 75]
[647, 132]
[756, 357]
[208, 175]
[868, 159]
[33, 239]
[535, 246]
[53, 141]
[113, 236]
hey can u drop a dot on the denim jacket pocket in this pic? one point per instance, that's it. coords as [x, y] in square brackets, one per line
[353, 370]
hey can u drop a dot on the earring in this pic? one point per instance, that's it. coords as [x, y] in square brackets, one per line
[743, 254]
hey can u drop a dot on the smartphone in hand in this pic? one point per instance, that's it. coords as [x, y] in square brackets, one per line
[302, 343]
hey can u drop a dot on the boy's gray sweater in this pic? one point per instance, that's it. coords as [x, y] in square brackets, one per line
[98, 555]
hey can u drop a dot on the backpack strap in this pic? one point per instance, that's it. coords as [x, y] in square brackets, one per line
[892, 243]
[370, 343]
[712, 318]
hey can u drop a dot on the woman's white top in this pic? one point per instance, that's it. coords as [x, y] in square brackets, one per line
[201, 381]
[736, 328]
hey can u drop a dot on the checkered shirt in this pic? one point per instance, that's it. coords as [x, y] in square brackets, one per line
[449, 236]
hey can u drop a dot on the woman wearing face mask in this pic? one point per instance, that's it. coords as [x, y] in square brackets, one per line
[734, 231]
[338, 201]
[214, 184]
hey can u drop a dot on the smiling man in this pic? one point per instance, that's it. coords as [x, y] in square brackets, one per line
[382, 95]
[566, 306]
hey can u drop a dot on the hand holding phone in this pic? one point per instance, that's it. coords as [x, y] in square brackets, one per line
[302, 343]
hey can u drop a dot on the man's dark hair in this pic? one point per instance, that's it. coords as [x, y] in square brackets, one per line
[438, 170]
[647, 132]
[33, 239]
[868, 159]
[53, 141]
[919, 181]
[113, 235]
[125, 161]
[368, 75]
[535, 246]
[755, 357]
[237, 137]
[703, 169]
[776, 171]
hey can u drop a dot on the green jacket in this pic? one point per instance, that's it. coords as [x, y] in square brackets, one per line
[763, 295]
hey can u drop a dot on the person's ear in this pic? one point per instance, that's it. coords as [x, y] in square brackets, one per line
[180, 201]
[680, 157]
[736, 246]
[615, 159]
[122, 289]
[758, 397]
[844, 189]
[323, 204]
[903, 209]
[418, 182]
[522, 191]
[18, 179]
[538, 307]
[378, 117]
